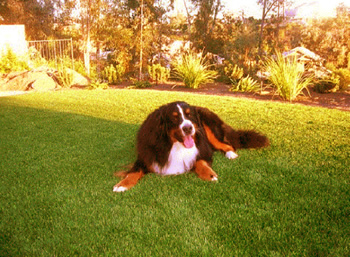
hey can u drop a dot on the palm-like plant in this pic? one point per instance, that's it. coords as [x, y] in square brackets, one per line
[287, 76]
[193, 70]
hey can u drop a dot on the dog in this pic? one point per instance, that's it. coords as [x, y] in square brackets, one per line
[177, 138]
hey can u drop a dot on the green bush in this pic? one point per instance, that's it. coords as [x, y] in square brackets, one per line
[344, 78]
[140, 84]
[113, 74]
[246, 84]
[193, 70]
[65, 77]
[327, 84]
[234, 73]
[286, 75]
[98, 85]
[158, 73]
[9, 61]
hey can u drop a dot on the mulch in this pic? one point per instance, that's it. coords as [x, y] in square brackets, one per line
[337, 100]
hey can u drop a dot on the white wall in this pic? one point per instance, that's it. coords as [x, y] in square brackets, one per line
[13, 36]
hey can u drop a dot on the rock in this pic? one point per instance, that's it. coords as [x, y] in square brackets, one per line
[78, 79]
[40, 79]
[43, 82]
[27, 80]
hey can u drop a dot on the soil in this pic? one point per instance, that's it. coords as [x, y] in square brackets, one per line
[336, 100]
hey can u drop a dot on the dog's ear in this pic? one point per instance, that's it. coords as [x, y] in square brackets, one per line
[153, 128]
[207, 117]
[212, 120]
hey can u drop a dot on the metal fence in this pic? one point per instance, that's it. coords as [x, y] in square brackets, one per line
[59, 52]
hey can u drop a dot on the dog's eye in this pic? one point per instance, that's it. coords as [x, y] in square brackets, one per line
[175, 116]
[188, 112]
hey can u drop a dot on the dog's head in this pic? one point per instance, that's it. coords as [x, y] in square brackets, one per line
[180, 123]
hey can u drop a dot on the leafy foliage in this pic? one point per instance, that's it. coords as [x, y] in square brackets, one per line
[193, 70]
[233, 72]
[140, 84]
[98, 85]
[65, 77]
[344, 78]
[9, 61]
[287, 76]
[329, 38]
[246, 84]
[204, 36]
[158, 73]
[37, 16]
[113, 74]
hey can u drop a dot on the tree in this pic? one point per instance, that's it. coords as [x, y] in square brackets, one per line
[275, 7]
[205, 22]
[330, 38]
[37, 16]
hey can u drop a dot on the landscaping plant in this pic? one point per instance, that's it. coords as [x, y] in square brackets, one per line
[327, 84]
[158, 73]
[140, 84]
[193, 70]
[9, 61]
[246, 84]
[287, 76]
[113, 74]
[65, 77]
[234, 73]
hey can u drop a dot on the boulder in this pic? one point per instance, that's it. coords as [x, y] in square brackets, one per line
[40, 79]
[27, 80]
[78, 79]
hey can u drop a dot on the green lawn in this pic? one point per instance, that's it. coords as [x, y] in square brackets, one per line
[59, 150]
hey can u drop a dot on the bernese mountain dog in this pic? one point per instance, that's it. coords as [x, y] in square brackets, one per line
[177, 138]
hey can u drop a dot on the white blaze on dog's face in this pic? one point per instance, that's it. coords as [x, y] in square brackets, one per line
[181, 130]
[186, 126]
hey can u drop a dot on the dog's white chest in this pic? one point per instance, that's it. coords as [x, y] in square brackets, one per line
[181, 160]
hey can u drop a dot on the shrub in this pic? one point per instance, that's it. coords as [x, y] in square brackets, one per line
[344, 78]
[65, 77]
[286, 75]
[234, 73]
[140, 84]
[327, 84]
[246, 84]
[98, 85]
[158, 73]
[9, 61]
[193, 70]
[113, 74]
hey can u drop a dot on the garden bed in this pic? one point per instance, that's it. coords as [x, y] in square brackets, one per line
[337, 100]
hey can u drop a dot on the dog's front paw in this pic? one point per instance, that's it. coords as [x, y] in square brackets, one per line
[231, 155]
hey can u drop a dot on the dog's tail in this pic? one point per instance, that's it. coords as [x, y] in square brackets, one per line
[246, 139]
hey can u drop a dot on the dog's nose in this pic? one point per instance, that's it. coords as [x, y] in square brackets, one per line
[187, 129]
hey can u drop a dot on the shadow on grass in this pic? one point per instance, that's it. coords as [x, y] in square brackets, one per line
[50, 160]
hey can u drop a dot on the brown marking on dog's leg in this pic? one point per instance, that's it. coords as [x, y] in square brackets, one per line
[215, 142]
[204, 171]
[129, 181]
[218, 145]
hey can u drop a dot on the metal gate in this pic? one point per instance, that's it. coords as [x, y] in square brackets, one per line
[59, 51]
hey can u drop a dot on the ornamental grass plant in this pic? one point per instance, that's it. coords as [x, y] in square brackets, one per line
[287, 76]
[194, 70]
